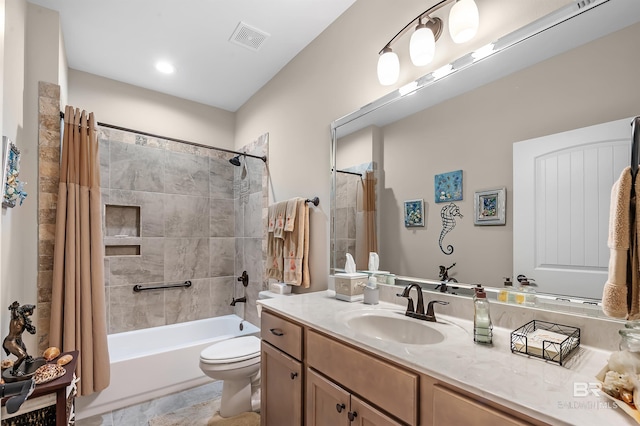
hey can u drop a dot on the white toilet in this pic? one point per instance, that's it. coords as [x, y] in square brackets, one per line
[237, 362]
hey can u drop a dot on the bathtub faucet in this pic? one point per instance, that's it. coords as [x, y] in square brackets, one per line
[238, 300]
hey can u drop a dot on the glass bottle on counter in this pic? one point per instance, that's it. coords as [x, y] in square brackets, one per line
[481, 318]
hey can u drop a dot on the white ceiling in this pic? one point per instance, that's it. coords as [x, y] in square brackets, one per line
[123, 39]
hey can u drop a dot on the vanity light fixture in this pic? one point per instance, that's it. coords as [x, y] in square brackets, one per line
[483, 52]
[442, 71]
[165, 67]
[463, 26]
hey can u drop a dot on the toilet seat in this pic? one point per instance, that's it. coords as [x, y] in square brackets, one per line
[231, 351]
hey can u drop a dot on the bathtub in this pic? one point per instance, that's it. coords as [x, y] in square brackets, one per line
[158, 361]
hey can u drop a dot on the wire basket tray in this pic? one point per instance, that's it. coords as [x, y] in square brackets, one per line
[546, 340]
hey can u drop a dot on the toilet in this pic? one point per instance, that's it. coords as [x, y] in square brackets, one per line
[237, 363]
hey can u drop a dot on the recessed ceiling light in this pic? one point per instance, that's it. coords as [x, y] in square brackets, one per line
[165, 67]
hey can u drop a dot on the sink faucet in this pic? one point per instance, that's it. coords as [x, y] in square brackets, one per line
[418, 312]
[430, 315]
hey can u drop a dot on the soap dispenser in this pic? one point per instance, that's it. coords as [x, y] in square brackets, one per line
[481, 318]
[526, 294]
[506, 295]
[371, 292]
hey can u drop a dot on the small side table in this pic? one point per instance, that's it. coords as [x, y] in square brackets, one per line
[59, 387]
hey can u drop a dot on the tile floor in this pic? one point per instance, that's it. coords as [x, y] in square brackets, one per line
[200, 401]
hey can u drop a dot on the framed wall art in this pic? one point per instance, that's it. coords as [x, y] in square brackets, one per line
[414, 213]
[448, 187]
[489, 207]
[12, 187]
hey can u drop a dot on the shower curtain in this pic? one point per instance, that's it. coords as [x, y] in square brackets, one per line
[366, 237]
[78, 314]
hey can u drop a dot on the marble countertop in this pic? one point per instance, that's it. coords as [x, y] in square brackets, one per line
[542, 390]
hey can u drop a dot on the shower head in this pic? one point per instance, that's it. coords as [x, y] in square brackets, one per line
[235, 160]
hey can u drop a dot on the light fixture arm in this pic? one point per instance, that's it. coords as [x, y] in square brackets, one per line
[435, 24]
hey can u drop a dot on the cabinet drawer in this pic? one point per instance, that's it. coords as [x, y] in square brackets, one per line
[282, 334]
[391, 388]
[451, 408]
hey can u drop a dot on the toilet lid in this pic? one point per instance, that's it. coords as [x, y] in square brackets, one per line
[231, 350]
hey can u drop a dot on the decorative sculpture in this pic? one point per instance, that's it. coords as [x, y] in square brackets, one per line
[448, 214]
[444, 273]
[13, 343]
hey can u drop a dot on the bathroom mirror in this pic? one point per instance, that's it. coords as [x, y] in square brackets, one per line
[569, 70]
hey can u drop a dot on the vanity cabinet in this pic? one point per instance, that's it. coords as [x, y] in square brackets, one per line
[281, 400]
[316, 379]
[452, 408]
[330, 405]
[391, 388]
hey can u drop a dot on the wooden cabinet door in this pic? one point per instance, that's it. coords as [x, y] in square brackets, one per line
[327, 403]
[451, 408]
[281, 395]
[364, 414]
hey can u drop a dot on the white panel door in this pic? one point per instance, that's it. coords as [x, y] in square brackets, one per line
[561, 195]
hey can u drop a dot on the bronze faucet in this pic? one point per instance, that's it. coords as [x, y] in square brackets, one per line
[419, 313]
[420, 307]
[430, 315]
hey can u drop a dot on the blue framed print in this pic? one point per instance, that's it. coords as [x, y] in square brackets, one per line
[413, 213]
[448, 187]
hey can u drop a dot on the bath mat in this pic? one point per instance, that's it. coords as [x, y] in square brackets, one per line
[245, 419]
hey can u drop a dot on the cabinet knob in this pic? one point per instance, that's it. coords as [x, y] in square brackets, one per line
[276, 331]
[294, 375]
[340, 407]
[352, 415]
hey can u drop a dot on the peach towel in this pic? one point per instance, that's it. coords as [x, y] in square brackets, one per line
[275, 240]
[623, 254]
[296, 247]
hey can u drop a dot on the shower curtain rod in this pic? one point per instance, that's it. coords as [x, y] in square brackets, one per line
[113, 126]
[348, 172]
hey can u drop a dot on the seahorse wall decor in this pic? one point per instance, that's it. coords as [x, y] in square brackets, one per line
[448, 214]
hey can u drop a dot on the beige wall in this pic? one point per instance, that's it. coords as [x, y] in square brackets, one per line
[11, 284]
[140, 109]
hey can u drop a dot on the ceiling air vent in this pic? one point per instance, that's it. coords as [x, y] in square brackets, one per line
[248, 36]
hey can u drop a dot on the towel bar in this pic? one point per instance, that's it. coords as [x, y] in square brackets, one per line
[138, 288]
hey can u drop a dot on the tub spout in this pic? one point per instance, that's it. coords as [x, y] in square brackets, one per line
[238, 300]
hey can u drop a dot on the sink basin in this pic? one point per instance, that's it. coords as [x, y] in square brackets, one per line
[393, 326]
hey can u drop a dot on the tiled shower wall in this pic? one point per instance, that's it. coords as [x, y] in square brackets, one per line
[347, 187]
[176, 212]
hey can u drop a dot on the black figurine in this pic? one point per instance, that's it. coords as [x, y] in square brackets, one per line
[13, 343]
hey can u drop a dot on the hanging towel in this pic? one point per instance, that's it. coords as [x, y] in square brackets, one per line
[296, 248]
[271, 225]
[280, 213]
[621, 233]
[290, 216]
[275, 241]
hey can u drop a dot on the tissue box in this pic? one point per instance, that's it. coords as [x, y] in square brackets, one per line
[349, 286]
[280, 288]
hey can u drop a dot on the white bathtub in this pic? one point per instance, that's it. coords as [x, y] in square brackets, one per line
[158, 361]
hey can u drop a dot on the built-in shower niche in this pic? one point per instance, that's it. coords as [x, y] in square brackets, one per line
[122, 230]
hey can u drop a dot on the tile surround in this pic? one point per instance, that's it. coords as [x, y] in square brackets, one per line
[191, 222]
